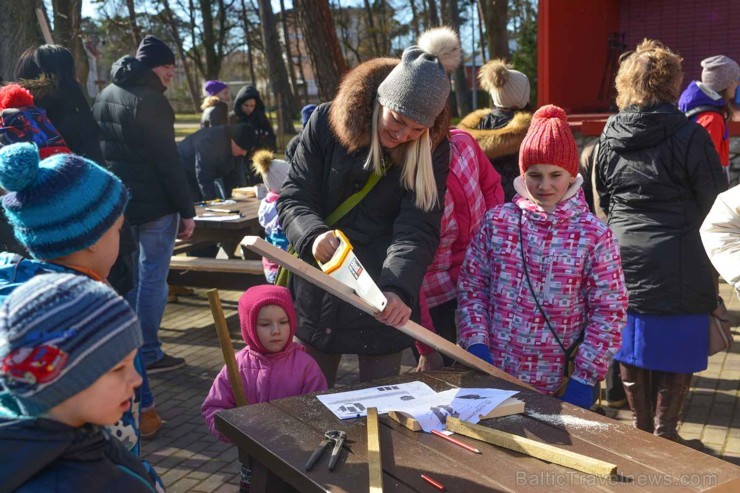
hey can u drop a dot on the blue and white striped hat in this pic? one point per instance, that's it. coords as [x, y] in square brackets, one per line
[58, 205]
[59, 333]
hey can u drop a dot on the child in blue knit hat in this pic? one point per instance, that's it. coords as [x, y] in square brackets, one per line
[67, 212]
[67, 348]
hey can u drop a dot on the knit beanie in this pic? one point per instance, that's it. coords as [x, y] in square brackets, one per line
[273, 171]
[59, 205]
[250, 304]
[244, 135]
[549, 141]
[719, 72]
[419, 86]
[22, 121]
[306, 113]
[214, 87]
[59, 333]
[508, 88]
[153, 52]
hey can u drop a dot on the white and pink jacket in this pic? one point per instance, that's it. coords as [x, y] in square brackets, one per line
[575, 269]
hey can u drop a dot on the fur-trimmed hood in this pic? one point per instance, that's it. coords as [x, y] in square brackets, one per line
[500, 141]
[351, 111]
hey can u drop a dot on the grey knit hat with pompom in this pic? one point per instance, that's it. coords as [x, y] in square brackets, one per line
[419, 86]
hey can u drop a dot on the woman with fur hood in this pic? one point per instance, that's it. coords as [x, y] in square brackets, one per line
[385, 134]
[501, 130]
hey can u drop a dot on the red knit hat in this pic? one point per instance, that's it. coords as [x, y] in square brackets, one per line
[250, 304]
[549, 141]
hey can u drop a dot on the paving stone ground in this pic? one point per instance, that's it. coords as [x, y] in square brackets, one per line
[189, 459]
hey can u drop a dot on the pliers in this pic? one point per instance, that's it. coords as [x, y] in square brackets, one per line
[335, 436]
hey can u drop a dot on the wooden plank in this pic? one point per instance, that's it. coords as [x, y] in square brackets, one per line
[344, 293]
[374, 462]
[533, 448]
[510, 406]
[228, 350]
[228, 266]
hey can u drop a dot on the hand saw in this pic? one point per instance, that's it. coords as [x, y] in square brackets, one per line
[346, 268]
[346, 294]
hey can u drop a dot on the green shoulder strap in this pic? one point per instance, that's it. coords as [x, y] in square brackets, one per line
[352, 200]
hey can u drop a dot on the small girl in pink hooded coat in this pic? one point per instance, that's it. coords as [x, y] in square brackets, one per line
[272, 366]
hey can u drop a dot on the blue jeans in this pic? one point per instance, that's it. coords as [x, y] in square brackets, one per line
[156, 241]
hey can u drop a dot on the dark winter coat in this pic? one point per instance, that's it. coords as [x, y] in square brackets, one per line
[206, 155]
[258, 118]
[44, 455]
[138, 141]
[657, 175]
[215, 114]
[70, 114]
[499, 133]
[394, 240]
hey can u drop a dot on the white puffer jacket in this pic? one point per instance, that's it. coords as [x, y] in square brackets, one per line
[720, 234]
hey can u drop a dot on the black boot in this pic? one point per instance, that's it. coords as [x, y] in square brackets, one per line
[672, 391]
[636, 383]
[615, 397]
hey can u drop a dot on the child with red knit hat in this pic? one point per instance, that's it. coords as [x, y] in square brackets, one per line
[271, 366]
[541, 293]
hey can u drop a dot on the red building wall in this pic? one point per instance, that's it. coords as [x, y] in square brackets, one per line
[696, 29]
[572, 51]
[573, 42]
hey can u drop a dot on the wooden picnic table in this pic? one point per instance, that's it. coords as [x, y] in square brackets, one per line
[280, 436]
[232, 273]
[230, 232]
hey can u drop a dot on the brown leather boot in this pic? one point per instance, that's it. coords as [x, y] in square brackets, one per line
[672, 390]
[636, 383]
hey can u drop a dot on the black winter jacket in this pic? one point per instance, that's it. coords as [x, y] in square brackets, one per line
[657, 175]
[41, 455]
[206, 155]
[70, 114]
[394, 240]
[138, 141]
[215, 115]
[258, 118]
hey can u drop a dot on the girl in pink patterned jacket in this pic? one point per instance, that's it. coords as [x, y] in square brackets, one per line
[525, 316]
[272, 366]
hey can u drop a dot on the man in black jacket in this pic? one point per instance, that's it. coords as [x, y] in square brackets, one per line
[213, 153]
[138, 142]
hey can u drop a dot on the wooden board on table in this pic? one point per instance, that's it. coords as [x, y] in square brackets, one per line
[510, 406]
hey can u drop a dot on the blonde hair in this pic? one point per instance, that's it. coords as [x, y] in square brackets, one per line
[417, 174]
[649, 76]
[209, 101]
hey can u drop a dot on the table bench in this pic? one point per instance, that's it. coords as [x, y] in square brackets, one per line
[215, 273]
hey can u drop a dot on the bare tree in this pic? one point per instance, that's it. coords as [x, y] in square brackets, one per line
[372, 29]
[169, 19]
[496, 17]
[19, 27]
[323, 46]
[277, 73]
[461, 82]
[432, 13]
[247, 40]
[135, 30]
[288, 49]
[67, 32]
[414, 19]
